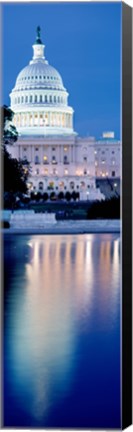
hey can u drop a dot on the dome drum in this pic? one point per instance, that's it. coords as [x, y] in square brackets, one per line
[38, 98]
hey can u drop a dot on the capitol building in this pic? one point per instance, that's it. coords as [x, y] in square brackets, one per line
[60, 160]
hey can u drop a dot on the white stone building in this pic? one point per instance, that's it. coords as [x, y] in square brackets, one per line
[59, 159]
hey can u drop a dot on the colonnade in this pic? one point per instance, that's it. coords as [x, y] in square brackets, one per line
[43, 119]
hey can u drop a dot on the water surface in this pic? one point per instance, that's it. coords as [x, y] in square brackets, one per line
[62, 331]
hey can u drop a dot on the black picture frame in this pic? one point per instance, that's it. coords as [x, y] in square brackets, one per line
[126, 319]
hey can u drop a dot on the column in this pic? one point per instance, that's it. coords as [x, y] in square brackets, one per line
[59, 153]
[21, 152]
[32, 154]
[50, 122]
[27, 122]
[71, 153]
[48, 118]
[41, 154]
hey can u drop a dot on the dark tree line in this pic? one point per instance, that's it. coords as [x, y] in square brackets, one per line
[108, 209]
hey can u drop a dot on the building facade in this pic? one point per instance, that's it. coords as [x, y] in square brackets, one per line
[59, 159]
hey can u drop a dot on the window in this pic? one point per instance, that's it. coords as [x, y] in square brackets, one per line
[26, 99]
[36, 120]
[18, 99]
[30, 98]
[113, 173]
[103, 152]
[85, 159]
[58, 99]
[54, 99]
[71, 185]
[40, 98]
[82, 184]
[65, 159]
[35, 98]
[45, 159]
[51, 185]
[113, 152]
[22, 99]
[85, 172]
[46, 99]
[36, 148]
[36, 160]
[53, 148]
[40, 186]
[40, 77]
[50, 99]
[37, 171]
[61, 184]
[41, 120]
[53, 160]
[25, 149]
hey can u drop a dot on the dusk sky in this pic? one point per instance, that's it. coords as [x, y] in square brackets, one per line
[83, 42]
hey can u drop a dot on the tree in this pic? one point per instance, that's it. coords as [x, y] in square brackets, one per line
[15, 174]
[68, 196]
[74, 195]
[10, 133]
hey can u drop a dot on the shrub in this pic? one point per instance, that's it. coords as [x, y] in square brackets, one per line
[45, 196]
[5, 224]
[61, 195]
[52, 195]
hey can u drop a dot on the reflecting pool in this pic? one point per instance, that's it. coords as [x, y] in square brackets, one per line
[62, 331]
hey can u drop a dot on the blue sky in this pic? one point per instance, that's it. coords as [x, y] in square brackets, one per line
[83, 42]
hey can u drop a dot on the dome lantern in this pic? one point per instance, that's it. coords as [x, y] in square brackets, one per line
[38, 38]
[38, 47]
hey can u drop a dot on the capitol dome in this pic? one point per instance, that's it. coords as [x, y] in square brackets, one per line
[39, 99]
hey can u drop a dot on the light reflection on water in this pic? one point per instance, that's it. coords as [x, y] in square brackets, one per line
[62, 331]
